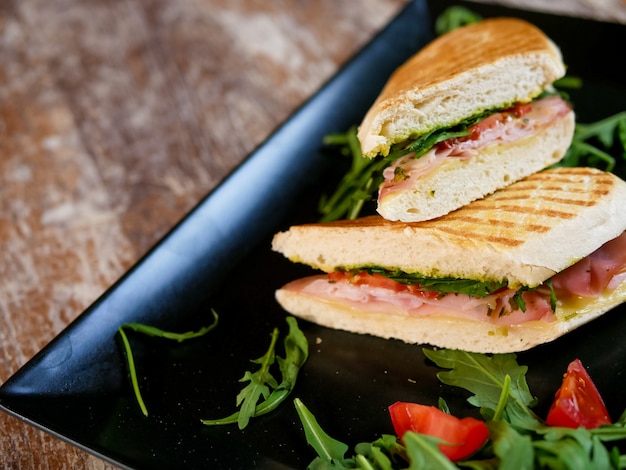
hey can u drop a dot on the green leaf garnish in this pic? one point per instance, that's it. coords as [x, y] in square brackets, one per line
[485, 377]
[454, 17]
[570, 82]
[264, 394]
[594, 144]
[260, 383]
[379, 454]
[513, 449]
[154, 332]
[423, 453]
[359, 183]
[328, 449]
[518, 439]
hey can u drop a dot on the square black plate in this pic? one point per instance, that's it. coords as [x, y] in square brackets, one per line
[219, 257]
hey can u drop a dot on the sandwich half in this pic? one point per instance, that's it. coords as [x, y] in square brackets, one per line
[470, 113]
[514, 270]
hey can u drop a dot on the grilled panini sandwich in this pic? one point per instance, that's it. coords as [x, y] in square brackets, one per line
[470, 113]
[519, 268]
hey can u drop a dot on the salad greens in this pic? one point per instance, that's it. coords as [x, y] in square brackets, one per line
[154, 332]
[359, 183]
[519, 439]
[485, 377]
[263, 394]
[608, 134]
[454, 17]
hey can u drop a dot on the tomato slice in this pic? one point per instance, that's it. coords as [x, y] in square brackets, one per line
[463, 435]
[376, 280]
[577, 402]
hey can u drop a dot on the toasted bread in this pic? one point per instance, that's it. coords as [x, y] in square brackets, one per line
[487, 65]
[522, 234]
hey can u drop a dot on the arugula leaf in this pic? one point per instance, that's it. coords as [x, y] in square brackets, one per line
[513, 449]
[572, 446]
[358, 184]
[262, 383]
[180, 337]
[608, 133]
[454, 17]
[423, 453]
[424, 143]
[296, 354]
[570, 82]
[329, 450]
[485, 377]
[154, 332]
[380, 454]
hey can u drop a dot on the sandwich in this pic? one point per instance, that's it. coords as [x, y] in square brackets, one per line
[516, 269]
[472, 112]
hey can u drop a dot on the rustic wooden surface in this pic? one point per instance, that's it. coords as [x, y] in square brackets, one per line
[116, 117]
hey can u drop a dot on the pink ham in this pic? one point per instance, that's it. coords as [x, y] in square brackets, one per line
[592, 275]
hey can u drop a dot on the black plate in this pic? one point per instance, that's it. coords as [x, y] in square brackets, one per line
[219, 257]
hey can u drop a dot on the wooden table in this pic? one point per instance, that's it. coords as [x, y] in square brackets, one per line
[116, 117]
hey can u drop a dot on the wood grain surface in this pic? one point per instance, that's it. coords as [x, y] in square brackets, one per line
[116, 117]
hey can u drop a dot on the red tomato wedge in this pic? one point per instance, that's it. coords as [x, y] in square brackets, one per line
[464, 435]
[577, 402]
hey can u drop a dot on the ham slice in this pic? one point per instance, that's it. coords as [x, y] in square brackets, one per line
[592, 275]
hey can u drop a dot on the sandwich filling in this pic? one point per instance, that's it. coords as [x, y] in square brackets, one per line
[510, 125]
[590, 278]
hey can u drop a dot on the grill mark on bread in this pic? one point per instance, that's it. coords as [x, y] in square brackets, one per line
[561, 200]
[502, 240]
[526, 187]
[573, 202]
[522, 210]
[507, 224]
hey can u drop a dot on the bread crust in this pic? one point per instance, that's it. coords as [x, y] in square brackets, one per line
[490, 64]
[446, 332]
[458, 182]
[524, 233]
